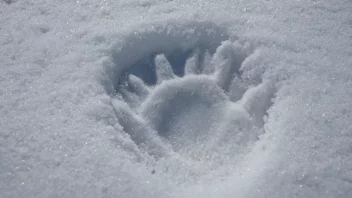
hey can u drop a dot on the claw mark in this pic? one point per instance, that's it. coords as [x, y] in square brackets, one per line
[163, 69]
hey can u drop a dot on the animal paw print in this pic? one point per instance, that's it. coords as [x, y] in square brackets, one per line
[191, 99]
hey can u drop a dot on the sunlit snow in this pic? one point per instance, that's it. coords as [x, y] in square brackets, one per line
[175, 98]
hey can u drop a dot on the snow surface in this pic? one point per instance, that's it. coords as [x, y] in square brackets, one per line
[172, 98]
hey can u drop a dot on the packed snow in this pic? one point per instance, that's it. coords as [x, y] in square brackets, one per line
[175, 98]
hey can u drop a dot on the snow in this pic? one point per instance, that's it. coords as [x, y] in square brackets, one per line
[171, 98]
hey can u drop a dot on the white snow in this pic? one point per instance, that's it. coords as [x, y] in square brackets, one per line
[171, 98]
